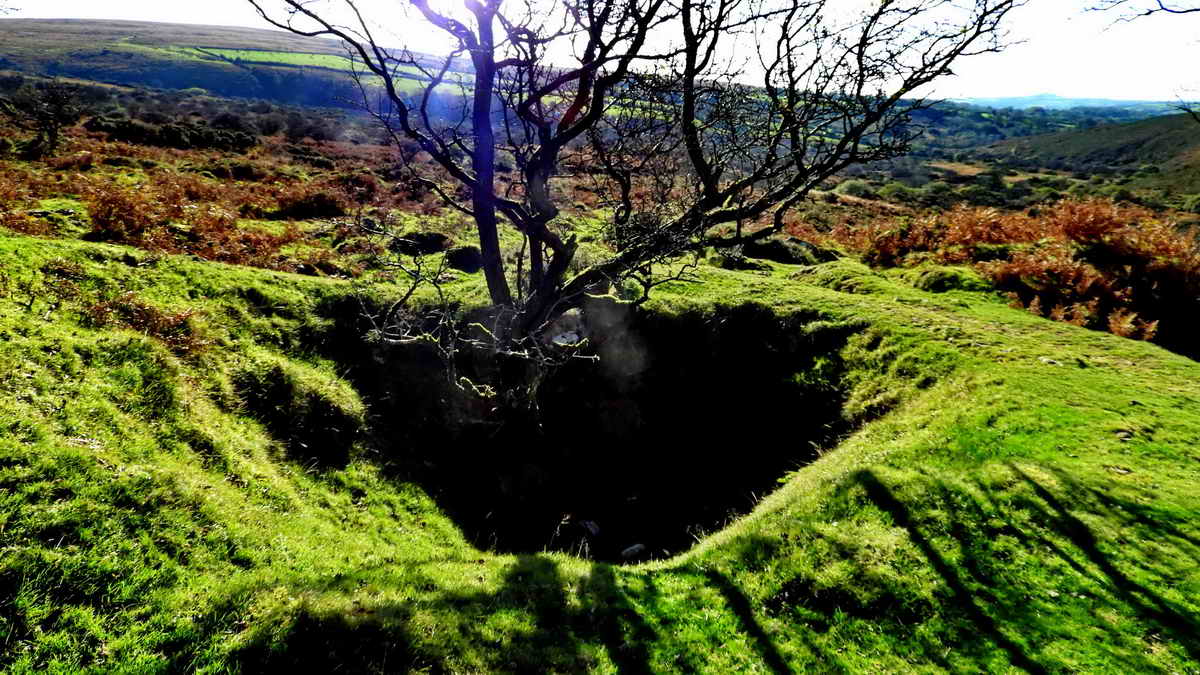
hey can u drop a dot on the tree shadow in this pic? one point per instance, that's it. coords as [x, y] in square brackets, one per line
[564, 624]
[559, 632]
[740, 605]
[1152, 607]
[962, 598]
[977, 569]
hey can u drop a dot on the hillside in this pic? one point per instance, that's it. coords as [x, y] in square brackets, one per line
[914, 449]
[1053, 102]
[278, 66]
[243, 62]
[40, 39]
[1019, 494]
[1171, 144]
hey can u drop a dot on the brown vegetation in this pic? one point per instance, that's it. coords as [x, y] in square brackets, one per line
[177, 330]
[1111, 267]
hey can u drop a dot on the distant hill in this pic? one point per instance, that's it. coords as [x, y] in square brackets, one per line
[285, 68]
[1054, 102]
[244, 62]
[1166, 149]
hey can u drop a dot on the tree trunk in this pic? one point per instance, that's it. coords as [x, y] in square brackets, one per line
[483, 197]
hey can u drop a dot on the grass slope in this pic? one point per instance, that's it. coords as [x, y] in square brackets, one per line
[1024, 500]
[1171, 142]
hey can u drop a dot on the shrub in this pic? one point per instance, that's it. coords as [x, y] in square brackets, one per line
[855, 188]
[180, 135]
[79, 161]
[122, 214]
[308, 201]
[899, 192]
[235, 170]
[1091, 263]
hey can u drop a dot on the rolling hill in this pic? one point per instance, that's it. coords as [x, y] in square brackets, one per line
[1166, 149]
[1054, 102]
[215, 468]
[242, 62]
[278, 66]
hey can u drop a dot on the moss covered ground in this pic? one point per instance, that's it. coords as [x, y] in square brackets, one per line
[1021, 496]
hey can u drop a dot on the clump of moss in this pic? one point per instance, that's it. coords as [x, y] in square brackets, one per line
[938, 279]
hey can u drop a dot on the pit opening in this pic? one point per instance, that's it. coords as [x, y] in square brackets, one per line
[684, 423]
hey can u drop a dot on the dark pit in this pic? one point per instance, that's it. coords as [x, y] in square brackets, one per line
[683, 424]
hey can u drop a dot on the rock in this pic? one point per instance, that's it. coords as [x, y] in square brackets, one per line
[420, 243]
[633, 551]
[467, 259]
[566, 339]
[739, 263]
[1049, 361]
[789, 251]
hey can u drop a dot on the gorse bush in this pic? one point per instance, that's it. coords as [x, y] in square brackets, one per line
[1094, 263]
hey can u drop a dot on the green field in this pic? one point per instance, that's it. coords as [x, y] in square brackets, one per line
[293, 59]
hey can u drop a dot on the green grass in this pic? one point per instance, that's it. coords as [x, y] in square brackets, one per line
[161, 53]
[302, 59]
[1022, 496]
[286, 58]
[406, 85]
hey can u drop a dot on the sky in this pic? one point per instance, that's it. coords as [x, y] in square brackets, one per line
[1063, 50]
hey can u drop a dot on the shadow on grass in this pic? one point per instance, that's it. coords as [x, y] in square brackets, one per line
[1152, 608]
[749, 623]
[535, 621]
[1003, 554]
[962, 597]
[1006, 613]
[474, 629]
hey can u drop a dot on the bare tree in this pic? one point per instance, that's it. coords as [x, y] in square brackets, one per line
[1132, 9]
[692, 115]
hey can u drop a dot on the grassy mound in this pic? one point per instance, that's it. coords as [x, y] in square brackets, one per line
[196, 488]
